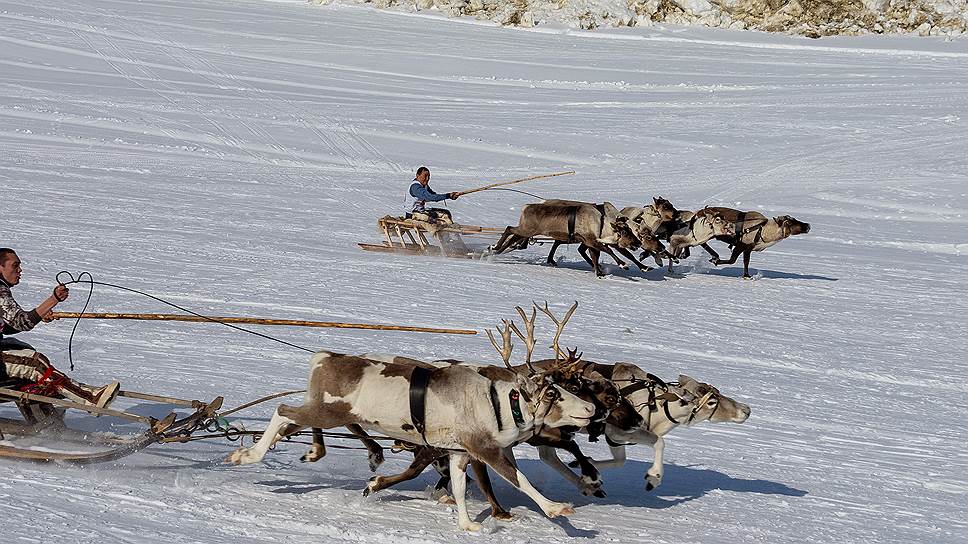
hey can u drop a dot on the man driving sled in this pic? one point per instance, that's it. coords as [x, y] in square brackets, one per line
[22, 361]
[420, 194]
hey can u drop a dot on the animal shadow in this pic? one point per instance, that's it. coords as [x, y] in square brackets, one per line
[736, 272]
[625, 486]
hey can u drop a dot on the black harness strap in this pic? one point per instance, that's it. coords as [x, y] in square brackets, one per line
[738, 225]
[496, 404]
[572, 215]
[419, 380]
[514, 396]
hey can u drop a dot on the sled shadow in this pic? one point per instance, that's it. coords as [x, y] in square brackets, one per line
[735, 272]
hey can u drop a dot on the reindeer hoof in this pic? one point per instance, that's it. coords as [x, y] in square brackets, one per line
[600, 493]
[241, 456]
[503, 515]
[649, 486]
[560, 509]
[472, 527]
[372, 486]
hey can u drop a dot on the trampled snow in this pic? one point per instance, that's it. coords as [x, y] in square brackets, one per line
[228, 156]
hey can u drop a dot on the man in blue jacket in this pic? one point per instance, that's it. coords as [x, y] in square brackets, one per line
[421, 193]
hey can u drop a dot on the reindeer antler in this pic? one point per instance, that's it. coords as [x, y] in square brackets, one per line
[559, 323]
[529, 340]
[505, 333]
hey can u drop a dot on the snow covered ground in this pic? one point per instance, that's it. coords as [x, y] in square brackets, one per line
[228, 156]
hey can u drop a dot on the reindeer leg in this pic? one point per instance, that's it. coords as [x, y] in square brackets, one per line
[587, 484]
[737, 249]
[504, 242]
[631, 257]
[551, 254]
[502, 463]
[375, 450]
[484, 483]
[422, 457]
[746, 264]
[318, 449]
[618, 261]
[653, 477]
[593, 259]
[458, 479]
[277, 429]
[711, 251]
[617, 460]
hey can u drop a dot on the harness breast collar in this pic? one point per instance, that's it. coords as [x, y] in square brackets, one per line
[419, 379]
[572, 214]
[514, 398]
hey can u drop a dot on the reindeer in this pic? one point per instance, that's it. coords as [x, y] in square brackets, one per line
[473, 416]
[752, 231]
[660, 216]
[697, 229]
[663, 407]
[586, 384]
[570, 222]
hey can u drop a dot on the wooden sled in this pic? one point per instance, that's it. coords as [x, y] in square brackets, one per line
[411, 237]
[43, 418]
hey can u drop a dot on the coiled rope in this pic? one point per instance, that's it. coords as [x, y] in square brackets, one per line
[90, 281]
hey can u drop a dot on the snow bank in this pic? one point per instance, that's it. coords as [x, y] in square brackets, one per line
[813, 18]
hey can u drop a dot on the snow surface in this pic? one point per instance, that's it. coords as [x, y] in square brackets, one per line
[228, 156]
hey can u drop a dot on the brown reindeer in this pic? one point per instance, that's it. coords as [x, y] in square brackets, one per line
[697, 229]
[663, 407]
[752, 231]
[465, 412]
[568, 222]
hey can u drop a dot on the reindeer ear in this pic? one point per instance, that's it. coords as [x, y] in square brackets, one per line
[685, 380]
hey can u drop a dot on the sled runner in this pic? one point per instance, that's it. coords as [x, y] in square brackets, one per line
[43, 433]
[413, 237]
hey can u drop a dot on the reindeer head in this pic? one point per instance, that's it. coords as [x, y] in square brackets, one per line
[649, 241]
[709, 404]
[549, 403]
[624, 236]
[721, 227]
[664, 209]
[790, 226]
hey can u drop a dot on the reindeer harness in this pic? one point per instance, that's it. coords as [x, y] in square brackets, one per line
[419, 380]
[652, 382]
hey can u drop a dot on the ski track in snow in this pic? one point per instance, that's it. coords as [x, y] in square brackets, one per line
[228, 156]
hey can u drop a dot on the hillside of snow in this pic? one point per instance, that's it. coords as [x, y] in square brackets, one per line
[228, 156]
[812, 18]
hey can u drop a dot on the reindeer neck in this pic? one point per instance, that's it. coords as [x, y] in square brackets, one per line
[772, 232]
[511, 410]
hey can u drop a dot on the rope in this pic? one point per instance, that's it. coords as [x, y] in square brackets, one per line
[259, 401]
[517, 191]
[90, 280]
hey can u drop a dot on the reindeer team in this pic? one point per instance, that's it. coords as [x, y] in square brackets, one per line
[473, 414]
[452, 413]
[602, 228]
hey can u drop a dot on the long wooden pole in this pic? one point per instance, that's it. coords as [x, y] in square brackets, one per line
[258, 321]
[502, 183]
